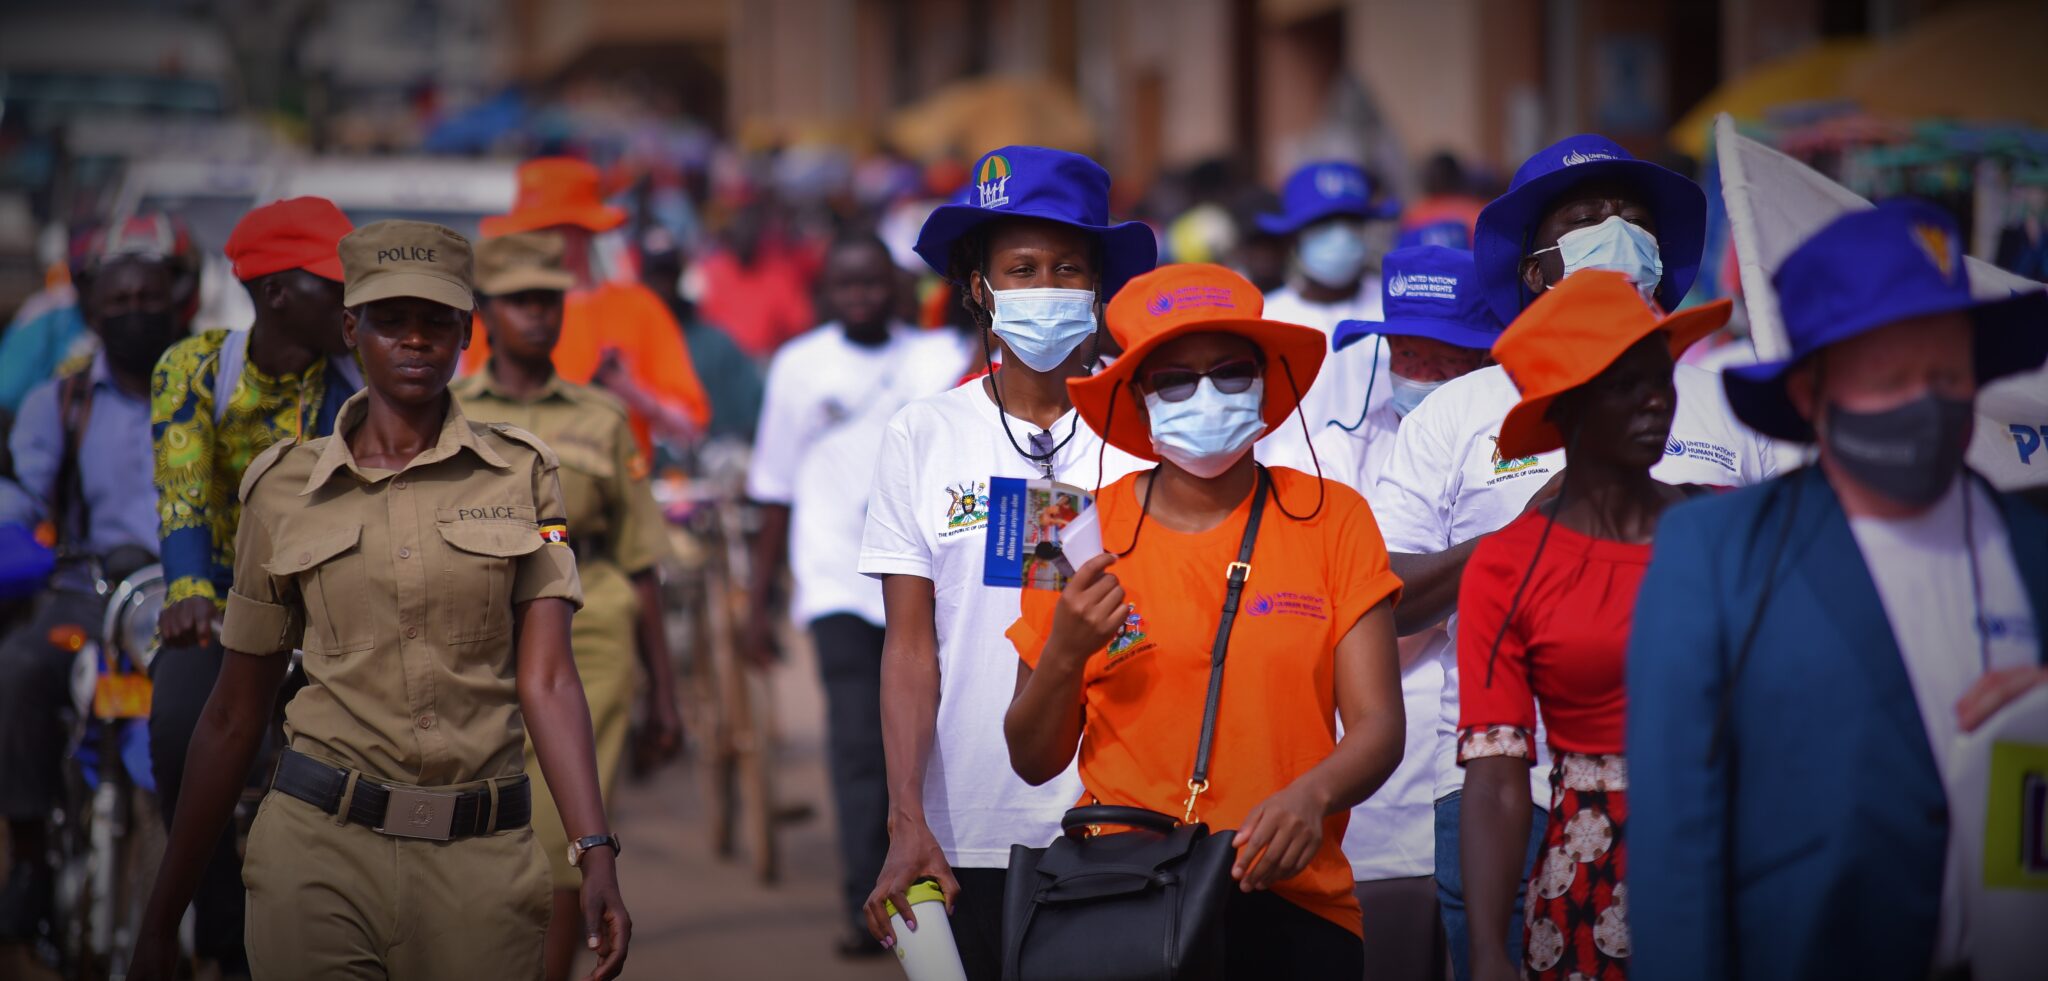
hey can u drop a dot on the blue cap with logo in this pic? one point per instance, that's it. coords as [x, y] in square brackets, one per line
[1430, 291]
[1049, 185]
[1865, 270]
[1324, 189]
[1507, 225]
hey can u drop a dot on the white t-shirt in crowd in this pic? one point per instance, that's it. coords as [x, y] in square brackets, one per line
[826, 403]
[1392, 834]
[1340, 389]
[1922, 568]
[1445, 484]
[928, 517]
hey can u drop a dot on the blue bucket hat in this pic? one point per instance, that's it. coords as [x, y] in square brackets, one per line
[1450, 234]
[1320, 190]
[1870, 268]
[1049, 185]
[1430, 291]
[1506, 225]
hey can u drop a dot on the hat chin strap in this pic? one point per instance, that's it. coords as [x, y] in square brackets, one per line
[1322, 493]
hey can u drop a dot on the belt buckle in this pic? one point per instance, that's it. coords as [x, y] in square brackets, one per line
[410, 813]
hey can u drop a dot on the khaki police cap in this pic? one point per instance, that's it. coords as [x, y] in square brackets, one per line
[524, 261]
[389, 259]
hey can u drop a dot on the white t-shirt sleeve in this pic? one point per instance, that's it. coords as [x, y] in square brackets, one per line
[1412, 498]
[779, 439]
[893, 542]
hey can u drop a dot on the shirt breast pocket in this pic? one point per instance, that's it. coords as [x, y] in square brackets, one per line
[331, 578]
[482, 561]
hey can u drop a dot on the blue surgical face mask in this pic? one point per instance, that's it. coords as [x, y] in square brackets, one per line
[1407, 393]
[1042, 326]
[1616, 244]
[1333, 253]
[1208, 431]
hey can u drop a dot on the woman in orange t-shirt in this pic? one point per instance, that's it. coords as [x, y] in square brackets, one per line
[1117, 666]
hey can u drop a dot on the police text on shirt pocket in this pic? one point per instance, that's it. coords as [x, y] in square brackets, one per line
[328, 570]
[481, 563]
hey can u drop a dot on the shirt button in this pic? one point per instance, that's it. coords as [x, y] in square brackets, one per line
[305, 557]
[399, 484]
[426, 722]
[405, 553]
[411, 632]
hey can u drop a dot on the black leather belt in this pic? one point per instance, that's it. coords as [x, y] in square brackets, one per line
[402, 811]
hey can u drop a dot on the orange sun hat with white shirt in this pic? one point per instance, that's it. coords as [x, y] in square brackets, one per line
[1571, 334]
[1181, 300]
[556, 191]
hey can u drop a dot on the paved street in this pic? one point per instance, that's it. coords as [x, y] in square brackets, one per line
[697, 917]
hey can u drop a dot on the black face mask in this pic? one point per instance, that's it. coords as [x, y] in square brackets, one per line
[1908, 454]
[134, 340]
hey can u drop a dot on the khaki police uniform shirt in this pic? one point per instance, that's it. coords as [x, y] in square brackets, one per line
[611, 507]
[400, 588]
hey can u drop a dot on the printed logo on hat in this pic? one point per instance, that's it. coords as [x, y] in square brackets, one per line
[1423, 286]
[1939, 246]
[1577, 157]
[1191, 298]
[994, 182]
[1338, 182]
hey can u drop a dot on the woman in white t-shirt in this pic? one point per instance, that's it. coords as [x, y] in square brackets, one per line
[1032, 249]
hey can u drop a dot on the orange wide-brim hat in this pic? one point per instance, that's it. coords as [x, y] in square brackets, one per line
[555, 191]
[1178, 301]
[1571, 334]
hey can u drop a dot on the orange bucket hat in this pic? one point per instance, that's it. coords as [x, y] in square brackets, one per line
[1571, 334]
[1176, 301]
[555, 191]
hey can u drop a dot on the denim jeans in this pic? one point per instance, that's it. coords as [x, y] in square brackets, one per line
[1450, 884]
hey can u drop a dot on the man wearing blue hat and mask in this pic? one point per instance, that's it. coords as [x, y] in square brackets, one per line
[1437, 328]
[1583, 203]
[1820, 646]
[1327, 208]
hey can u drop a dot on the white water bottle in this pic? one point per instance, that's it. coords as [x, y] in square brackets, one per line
[927, 953]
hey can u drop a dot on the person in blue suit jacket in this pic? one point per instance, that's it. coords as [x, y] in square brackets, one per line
[1806, 651]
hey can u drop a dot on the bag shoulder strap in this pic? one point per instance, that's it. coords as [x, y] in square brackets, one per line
[227, 371]
[71, 513]
[1235, 576]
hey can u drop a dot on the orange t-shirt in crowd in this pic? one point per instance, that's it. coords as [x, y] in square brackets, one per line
[760, 306]
[628, 318]
[1310, 583]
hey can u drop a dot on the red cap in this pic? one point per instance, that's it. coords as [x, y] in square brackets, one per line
[299, 233]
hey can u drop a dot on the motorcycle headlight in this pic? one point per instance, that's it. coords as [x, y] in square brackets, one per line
[138, 627]
[130, 624]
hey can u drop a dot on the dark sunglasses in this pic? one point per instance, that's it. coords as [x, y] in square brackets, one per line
[1178, 384]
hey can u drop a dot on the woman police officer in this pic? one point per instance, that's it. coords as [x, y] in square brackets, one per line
[420, 561]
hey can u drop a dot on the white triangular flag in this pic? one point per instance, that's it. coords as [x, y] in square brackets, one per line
[1775, 203]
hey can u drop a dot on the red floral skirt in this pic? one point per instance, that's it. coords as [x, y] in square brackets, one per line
[1577, 920]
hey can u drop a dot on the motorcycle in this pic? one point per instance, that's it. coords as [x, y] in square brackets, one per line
[108, 837]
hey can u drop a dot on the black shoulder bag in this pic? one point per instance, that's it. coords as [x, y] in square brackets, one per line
[1145, 903]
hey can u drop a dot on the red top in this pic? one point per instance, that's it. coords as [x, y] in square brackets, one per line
[1564, 649]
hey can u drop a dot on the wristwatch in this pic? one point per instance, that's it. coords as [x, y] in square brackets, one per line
[588, 842]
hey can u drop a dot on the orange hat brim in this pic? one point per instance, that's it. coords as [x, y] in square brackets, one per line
[1289, 349]
[590, 217]
[1527, 431]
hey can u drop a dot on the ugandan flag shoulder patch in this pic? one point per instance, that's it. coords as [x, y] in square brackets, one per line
[554, 531]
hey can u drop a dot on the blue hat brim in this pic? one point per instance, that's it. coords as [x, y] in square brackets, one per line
[1500, 241]
[1289, 223]
[1129, 248]
[1350, 332]
[2011, 338]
